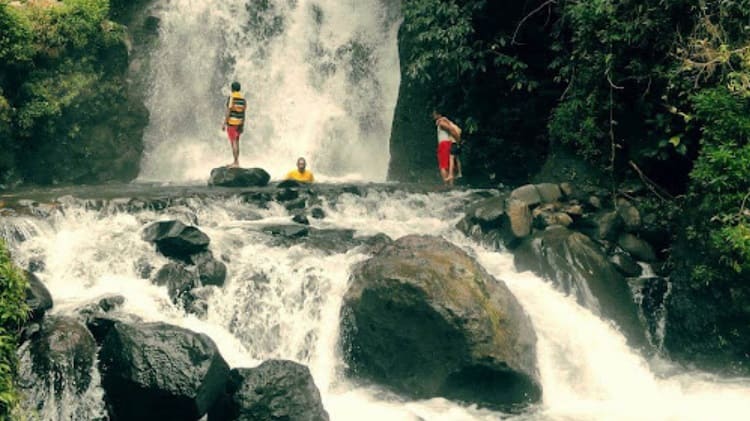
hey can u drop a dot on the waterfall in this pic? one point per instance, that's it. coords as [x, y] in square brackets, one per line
[283, 301]
[320, 77]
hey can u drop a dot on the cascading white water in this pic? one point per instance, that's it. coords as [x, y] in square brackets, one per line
[283, 302]
[320, 76]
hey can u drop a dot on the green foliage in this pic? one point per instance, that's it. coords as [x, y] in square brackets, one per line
[62, 66]
[720, 185]
[13, 312]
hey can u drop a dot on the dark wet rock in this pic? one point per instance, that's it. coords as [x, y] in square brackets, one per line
[178, 280]
[355, 190]
[489, 221]
[275, 390]
[286, 195]
[289, 184]
[99, 306]
[143, 267]
[625, 264]
[38, 297]
[609, 225]
[99, 324]
[301, 218]
[629, 214]
[317, 213]
[296, 204]
[287, 231]
[375, 243]
[259, 198]
[175, 239]
[62, 353]
[238, 177]
[640, 249]
[425, 319]
[36, 264]
[156, 371]
[577, 265]
[210, 271]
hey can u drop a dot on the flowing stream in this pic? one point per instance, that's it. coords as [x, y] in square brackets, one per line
[320, 77]
[283, 302]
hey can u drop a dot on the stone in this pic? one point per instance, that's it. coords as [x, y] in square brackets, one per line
[275, 390]
[575, 264]
[424, 319]
[288, 231]
[640, 249]
[287, 195]
[238, 177]
[210, 271]
[625, 264]
[609, 225]
[549, 192]
[527, 194]
[178, 280]
[62, 353]
[317, 213]
[38, 297]
[567, 189]
[175, 239]
[289, 184]
[156, 371]
[520, 218]
[629, 214]
[301, 218]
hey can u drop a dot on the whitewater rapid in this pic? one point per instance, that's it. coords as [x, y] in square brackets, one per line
[320, 76]
[283, 302]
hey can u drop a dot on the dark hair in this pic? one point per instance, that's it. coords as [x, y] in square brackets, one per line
[236, 86]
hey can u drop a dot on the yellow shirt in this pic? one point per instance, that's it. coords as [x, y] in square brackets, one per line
[306, 177]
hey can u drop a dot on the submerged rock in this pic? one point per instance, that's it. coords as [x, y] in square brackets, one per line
[238, 177]
[210, 271]
[425, 319]
[178, 280]
[157, 371]
[275, 390]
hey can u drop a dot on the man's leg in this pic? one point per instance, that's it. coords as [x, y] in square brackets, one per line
[459, 174]
[236, 151]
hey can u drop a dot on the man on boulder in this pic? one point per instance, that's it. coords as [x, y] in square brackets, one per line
[234, 121]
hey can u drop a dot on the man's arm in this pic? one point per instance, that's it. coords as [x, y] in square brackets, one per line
[226, 113]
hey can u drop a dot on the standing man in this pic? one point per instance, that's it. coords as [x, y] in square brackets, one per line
[446, 136]
[234, 121]
[301, 174]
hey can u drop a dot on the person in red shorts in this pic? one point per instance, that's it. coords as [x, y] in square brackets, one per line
[234, 121]
[446, 135]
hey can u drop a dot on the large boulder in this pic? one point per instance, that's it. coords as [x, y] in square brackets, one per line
[425, 319]
[175, 239]
[38, 297]
[238, 177]
[156, 371]
[62, 354]
[275, 390]
[577, 265]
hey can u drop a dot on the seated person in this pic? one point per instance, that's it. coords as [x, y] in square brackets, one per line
[301, 173]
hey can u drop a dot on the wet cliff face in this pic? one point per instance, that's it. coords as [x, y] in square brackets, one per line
[473, 77]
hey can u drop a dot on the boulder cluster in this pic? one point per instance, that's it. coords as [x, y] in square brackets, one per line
[569, 237]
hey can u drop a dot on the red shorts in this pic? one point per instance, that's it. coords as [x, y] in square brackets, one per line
[233, 132]
[444, 154]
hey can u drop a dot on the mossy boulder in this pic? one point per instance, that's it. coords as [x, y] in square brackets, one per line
[423, 318]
